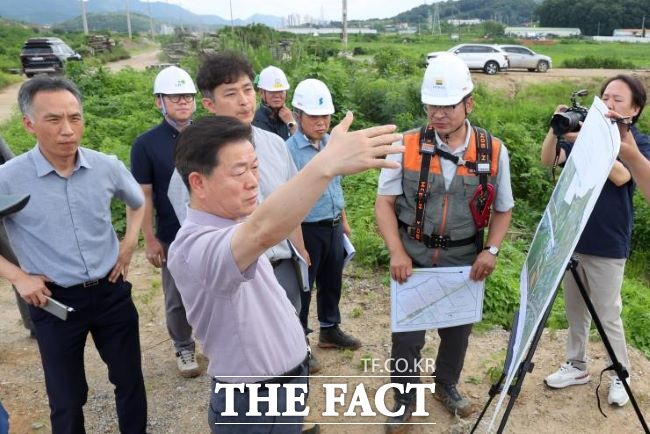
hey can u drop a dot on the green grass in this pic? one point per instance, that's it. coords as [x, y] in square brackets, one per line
[638, 55]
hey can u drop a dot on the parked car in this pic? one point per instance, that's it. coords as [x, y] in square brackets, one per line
[46, 55]
[523, 57]
[490, 58]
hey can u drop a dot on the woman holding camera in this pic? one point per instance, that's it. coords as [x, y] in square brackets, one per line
[603, 247]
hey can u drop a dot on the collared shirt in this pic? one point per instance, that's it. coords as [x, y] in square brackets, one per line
[608, 232]
[331, 203]
[244, 320]
[152, 162]
[275, 167]
[65, 230]
[390, 180]
[263, 119]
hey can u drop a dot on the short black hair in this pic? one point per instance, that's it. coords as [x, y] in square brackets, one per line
[639, 97]
[198, 145]
[44, 83]
[220, 68]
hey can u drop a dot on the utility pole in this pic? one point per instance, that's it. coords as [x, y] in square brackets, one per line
[150, 18]
[83, 17]
[436, 20]
[232, 22]
[643, 27]
[344, 34]
[128, 20]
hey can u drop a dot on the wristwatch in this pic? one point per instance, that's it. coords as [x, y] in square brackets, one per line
[493, 250]
[291, 124]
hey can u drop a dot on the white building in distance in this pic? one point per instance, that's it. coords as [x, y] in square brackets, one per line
[538, 32]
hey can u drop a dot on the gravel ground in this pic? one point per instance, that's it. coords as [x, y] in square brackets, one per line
[178, 405]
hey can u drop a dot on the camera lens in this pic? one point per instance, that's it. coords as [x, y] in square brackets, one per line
[566, 122]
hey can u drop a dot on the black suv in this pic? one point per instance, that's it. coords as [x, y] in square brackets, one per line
[46, 55]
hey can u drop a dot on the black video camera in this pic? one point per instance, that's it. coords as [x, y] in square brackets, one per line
[569, 121]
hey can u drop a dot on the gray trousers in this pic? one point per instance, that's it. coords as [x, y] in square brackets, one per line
[177, 326]
[8, 254]
[285, 272]
[602, 278]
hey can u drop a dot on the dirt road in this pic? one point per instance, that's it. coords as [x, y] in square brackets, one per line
[513, 80]
[9, 94]
[138, 61]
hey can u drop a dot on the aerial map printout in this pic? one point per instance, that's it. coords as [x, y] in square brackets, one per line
[566, 215]
[435, 298]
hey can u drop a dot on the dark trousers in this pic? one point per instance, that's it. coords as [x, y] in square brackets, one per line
[285, 272]
[325, 247]
[242, 424]
[4, 420]
[107, 312]
[449, 361]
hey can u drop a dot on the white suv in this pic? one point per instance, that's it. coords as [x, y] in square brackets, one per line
[489, 58]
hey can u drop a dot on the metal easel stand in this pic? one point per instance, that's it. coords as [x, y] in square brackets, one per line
[527, 365]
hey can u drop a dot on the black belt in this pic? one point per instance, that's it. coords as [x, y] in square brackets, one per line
[328, 223]
[282, 378]
[435, 241]
[88, 284]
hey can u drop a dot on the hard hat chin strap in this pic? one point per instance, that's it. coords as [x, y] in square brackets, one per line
[179, 126]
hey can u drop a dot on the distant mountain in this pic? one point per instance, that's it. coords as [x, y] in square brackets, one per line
[510, 12]
[109, 21]
[57, 11]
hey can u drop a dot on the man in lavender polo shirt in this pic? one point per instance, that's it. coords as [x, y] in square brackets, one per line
[235, 305]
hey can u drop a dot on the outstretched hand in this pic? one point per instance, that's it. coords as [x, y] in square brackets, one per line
[352, 152]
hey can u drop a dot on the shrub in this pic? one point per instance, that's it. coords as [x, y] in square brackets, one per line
[588, 62]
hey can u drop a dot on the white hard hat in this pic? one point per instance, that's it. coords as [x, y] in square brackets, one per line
[173, 80]
[446, 81]
[313, 97]
[273, 79]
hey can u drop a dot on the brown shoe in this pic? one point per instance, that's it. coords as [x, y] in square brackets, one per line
[453, 401]
[334, 337]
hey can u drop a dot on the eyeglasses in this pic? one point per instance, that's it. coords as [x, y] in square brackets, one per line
[187, 97]
[445, 109]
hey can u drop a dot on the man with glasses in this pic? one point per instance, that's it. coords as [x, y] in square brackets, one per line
[273, 115]
[152, 165]
[425, 213]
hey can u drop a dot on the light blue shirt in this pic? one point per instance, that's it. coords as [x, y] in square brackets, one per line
[331, 203]
[65, 230]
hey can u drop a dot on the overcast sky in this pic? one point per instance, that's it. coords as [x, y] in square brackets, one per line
[330, 9]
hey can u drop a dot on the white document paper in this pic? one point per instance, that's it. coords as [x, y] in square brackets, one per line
[349, 249]
[436, 298]
[302, 268]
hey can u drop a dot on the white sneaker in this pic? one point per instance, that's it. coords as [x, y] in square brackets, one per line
[186, 362]
[617, 393]
[567, 375]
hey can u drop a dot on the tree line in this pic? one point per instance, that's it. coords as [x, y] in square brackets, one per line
[594, 17]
